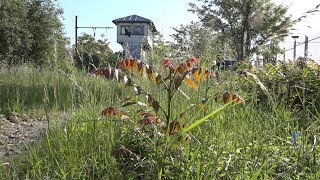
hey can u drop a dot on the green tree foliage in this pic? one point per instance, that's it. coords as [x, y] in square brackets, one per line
[31, 32]
[196, 40]
[14, 35]
[193, 40]
[46, 29]
[268, 52]
[159, 50]
[93, 53]
[245, 24]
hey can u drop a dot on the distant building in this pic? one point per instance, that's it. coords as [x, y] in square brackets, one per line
[134, 33]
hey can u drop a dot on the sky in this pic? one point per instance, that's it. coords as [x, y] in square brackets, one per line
[308, 27]
[171, 13]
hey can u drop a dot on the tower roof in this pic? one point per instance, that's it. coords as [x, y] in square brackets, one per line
[135, 19]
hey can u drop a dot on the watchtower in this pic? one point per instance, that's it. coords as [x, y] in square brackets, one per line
[134, 33]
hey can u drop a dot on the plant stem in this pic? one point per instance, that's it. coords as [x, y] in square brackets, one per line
[169, 96]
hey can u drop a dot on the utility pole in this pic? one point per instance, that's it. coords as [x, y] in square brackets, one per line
[85, 27]
[306, 47]
[295, 47]
[76, 35]
[284, 54]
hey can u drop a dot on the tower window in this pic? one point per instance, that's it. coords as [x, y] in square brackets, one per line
[138, 30]
[126, 30]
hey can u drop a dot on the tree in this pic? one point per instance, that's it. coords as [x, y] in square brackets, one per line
[93, 53]
[269, 51]
[192, 40]
[245, 25]
[31, 32]
[196, 40]
[46, 30]
[14, 34]
[159, 50]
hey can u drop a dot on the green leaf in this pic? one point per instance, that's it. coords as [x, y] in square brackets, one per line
[200, 121]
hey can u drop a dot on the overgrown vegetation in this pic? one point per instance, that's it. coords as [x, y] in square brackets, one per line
[25, 91]
[265, 138]
[172, 117]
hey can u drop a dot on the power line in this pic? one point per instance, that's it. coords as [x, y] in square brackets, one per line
[86, 27]
[98, 27]
[314, 38]
[304, 42]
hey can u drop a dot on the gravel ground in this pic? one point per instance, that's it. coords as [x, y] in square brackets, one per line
[17, 131]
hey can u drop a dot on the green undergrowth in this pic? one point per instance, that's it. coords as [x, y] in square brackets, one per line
[263, 139]
[241, 142]
[25, 89]
[78, 149]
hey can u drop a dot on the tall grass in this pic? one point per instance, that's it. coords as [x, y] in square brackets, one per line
[80, 149]
[77, 147]
[255, 141]
[23, 88]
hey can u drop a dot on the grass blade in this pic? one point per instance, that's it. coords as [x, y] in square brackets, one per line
[198, 122]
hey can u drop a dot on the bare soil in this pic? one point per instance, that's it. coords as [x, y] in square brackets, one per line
[18, 131]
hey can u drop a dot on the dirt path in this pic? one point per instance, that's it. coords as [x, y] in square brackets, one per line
[16, 131]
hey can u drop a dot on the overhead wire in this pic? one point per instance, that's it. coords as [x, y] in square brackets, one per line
[303, 43]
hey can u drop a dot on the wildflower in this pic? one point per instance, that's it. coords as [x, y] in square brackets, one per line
[294, 137]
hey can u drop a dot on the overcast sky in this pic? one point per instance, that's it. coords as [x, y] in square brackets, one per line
[171, 13]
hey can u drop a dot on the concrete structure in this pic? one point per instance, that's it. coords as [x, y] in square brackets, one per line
[134, 33]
